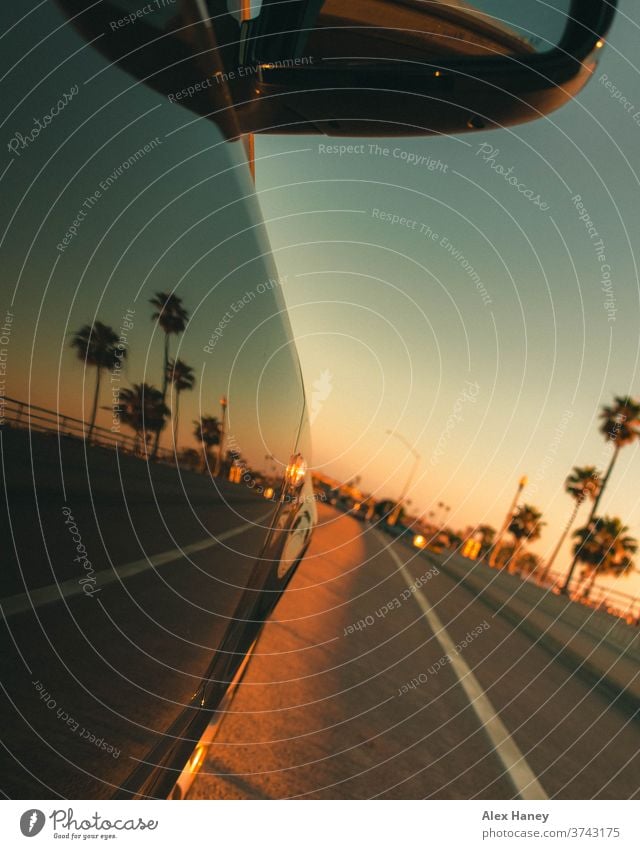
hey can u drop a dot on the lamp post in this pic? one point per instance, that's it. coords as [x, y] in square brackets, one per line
[507, 521]
[395, 515]
[223, 426]
[271, 459]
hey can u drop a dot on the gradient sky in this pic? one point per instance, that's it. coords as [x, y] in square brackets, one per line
[390, 327]
[184, 217]
[400, 326]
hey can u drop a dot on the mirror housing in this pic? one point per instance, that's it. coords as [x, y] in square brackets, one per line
[445, 96]
[340, 97]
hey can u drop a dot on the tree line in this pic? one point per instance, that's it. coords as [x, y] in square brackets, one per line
[603, 545]
[143, 407]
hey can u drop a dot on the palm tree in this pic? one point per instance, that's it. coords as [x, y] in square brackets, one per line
[189, 458]
[487, 536]
[582, 483]
[620, 425]
[207, 431]
[504, 555]
[172, 318]
[605, 549]
[526, 525]
[98, 345]
[528, 563]
[181, 376]
[144, 411]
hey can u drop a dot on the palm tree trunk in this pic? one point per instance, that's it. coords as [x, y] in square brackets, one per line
[605, 480]
[592, 580]
[94, 411]
[563, 536]
[175, 422]
[580, 584]
[513, 558]
[166, 366]
[156, 443]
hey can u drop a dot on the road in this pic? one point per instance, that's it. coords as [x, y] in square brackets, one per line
[169, 554]
[350, 693]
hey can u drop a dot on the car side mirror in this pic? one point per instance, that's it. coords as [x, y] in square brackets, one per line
[362, 68]
[410, 67]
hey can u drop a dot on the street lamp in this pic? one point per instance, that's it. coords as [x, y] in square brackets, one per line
[507, 521]
[393, 518]
[223, 426]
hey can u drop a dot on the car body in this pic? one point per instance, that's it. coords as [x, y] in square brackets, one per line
[133, 589]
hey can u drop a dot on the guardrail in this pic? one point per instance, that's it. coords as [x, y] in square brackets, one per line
[21, 414]
[608, 599]
[613, 601]
[602, 649]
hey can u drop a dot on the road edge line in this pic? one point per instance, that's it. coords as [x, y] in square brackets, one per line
[22, 602]
[520, 773]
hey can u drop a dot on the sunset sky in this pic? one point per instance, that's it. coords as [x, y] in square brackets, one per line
[489, 375]
[400, 326]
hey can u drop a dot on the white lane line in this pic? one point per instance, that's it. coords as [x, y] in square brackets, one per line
[524, 780]
[66, 589]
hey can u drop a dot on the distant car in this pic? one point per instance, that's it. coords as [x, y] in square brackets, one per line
[419, 541]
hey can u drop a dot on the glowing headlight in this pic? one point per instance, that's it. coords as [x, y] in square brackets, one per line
[296, 470]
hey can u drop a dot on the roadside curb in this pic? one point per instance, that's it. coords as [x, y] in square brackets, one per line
[620, 689]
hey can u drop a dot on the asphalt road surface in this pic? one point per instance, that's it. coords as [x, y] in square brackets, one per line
[170, 555]
[379, 676]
